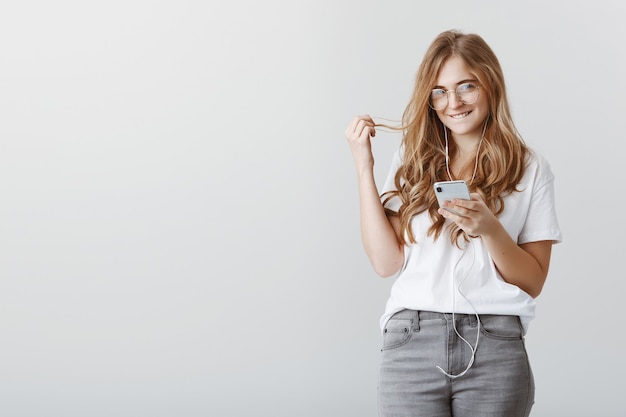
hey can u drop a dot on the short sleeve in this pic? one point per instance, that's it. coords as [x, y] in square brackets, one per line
[394, 203]
[541, 221]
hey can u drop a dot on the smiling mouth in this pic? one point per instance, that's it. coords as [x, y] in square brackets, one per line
[460, 115]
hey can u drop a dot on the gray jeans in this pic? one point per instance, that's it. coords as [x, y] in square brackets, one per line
[498, 384]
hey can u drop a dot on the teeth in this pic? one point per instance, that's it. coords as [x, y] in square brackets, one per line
[460, 116]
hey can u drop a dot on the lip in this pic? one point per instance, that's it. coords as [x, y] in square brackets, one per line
[462, 115]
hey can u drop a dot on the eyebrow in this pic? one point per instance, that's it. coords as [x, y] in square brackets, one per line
[457, 84]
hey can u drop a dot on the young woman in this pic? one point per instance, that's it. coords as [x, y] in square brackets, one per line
[467, 274]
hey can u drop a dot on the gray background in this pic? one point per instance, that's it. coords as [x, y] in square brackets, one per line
[178, 206]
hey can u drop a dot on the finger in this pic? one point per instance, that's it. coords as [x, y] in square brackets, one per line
[476, 198]
[365, 122]
[451, 205]
[468, 205]
[368, 118]
[365, 127]
[352, 126]
[445, 212]
[358, 123]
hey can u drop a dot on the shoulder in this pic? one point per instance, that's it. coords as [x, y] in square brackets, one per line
[538, 168]
[397, 159]
[399, 154]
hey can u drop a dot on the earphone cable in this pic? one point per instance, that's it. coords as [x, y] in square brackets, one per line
[475, 347]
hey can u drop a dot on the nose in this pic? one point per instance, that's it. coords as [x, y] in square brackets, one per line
[453, 100]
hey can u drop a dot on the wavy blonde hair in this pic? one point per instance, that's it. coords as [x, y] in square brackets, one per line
[501, 161]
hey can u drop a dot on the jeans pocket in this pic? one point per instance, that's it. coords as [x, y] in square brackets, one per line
[397, 332]
[501, 327]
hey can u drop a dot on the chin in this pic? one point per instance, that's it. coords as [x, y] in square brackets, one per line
[464, 132]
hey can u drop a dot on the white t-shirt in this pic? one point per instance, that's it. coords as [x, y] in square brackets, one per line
[438, 276]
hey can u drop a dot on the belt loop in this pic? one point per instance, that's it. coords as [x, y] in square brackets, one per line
[472, 320]
[416, 321]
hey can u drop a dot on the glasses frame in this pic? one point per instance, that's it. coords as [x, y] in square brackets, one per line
[455, 91]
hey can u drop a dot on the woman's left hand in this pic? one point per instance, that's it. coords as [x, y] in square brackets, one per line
[474, 217]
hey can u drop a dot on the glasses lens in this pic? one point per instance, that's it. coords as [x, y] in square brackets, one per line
[468, 93]
[438, 99]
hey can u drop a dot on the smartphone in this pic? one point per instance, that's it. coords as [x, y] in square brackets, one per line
[449, 190]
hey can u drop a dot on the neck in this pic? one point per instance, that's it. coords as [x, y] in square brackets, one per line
[465, 145]
[463, 152]
[460, 161]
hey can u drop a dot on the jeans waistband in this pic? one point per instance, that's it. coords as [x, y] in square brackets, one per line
[421, 315]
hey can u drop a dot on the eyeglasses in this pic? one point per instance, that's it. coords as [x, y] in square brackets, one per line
[467, 94]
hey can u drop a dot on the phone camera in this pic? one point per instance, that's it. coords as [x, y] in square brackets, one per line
[438, 189]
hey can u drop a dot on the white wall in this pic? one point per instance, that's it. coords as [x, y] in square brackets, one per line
[178, 209]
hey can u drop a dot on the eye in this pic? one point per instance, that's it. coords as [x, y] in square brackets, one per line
[466, 88]
[437, 93]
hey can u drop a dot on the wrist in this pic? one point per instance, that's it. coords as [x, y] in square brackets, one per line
[365, 170]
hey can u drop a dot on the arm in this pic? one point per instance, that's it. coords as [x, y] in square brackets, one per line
[379, 233]
[523, 265]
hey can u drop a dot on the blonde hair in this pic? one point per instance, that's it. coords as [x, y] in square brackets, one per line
[501, 161]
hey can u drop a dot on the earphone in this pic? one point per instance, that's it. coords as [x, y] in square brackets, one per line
[445, 135]
[454, 290]
[470, 244]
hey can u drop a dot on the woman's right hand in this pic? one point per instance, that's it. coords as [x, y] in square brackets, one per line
[358, 135]
[379, 232]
